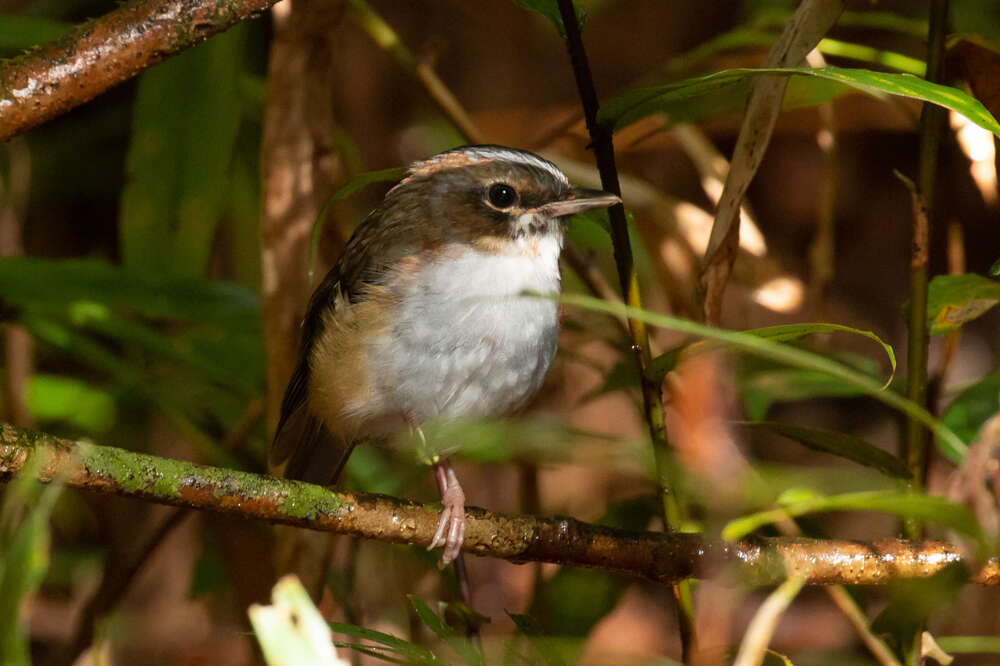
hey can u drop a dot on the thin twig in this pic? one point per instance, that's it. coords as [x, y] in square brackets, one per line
[97, 55]
[931, 125]
[18, 354]
[116, 581]
[604, 153]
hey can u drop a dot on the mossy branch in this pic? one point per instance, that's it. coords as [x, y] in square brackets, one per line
[663, 558]
[99, 54]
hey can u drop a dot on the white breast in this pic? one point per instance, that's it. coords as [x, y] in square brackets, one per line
[466, 341]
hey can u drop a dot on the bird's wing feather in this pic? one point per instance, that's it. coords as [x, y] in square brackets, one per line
[314, 453]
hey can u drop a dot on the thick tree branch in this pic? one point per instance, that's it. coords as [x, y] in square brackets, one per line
[664, 558]
[97, 55]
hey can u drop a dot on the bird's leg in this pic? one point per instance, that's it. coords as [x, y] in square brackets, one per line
[451, 528]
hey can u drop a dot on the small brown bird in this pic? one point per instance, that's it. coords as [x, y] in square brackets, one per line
[423, 316]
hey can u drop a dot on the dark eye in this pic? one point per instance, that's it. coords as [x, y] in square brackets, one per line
[502, 195]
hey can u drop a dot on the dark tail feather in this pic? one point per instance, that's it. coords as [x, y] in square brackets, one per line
[314, 455]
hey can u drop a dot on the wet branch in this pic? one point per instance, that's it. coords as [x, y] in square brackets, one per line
[661, 557]
[97, 55]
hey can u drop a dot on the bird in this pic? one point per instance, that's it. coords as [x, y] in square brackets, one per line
[424, 316]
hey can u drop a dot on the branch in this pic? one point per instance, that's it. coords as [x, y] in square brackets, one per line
[97, 55]
[663, 558]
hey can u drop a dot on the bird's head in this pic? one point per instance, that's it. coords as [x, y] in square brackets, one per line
[494, 193]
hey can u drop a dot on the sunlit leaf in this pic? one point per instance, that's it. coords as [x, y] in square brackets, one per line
[637, 103]
[967, 413]
[659, 366]
[550, 10]
[291, 631]
[953, 300]
[59, 399]
[788, 332]
[906, 505]
[839, 444]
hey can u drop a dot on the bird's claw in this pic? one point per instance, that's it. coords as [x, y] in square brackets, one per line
[451, 527]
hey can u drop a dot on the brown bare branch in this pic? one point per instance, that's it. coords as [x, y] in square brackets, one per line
[95, 56]
[664, 558]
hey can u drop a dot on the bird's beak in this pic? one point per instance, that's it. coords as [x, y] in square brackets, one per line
[578, 201]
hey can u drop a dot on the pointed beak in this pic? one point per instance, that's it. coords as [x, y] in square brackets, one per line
[578, 201]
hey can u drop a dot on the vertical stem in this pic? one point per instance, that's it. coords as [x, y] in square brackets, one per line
[600, 137]
[931, 121]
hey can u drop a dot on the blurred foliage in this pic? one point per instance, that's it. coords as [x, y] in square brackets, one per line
[24, 556]
[140, 292]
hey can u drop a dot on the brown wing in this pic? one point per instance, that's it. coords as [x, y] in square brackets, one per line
[313, 453]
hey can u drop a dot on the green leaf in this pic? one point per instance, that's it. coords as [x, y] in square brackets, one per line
[59, 399]
[953, 300]
[573, 601]
[460, 644]
[763, 388]
[788, 332]
[994, 269]
[977, 402]
[658, 367]
[912, 602]
[24, 555]
[967, 644]
[63, 282]
[411, 652]
[950, 444]
[19, 32]
[186, 116]
[622, 376]
[542, 643]
[348, 189]
[906, 505]
[550, 10]
[839, 444]
[637, 103]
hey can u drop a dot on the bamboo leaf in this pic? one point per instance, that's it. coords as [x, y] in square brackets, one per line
[411, 652]
[839, 444]
[951, 445]
[637, 103]
[906, 505]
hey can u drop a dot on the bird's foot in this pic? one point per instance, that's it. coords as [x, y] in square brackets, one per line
[451, 527]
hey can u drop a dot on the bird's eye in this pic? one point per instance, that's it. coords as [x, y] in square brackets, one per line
[502, 195]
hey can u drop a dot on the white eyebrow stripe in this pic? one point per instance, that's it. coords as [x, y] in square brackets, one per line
[499, 154]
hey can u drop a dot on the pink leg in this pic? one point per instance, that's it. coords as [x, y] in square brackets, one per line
[451, 528]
